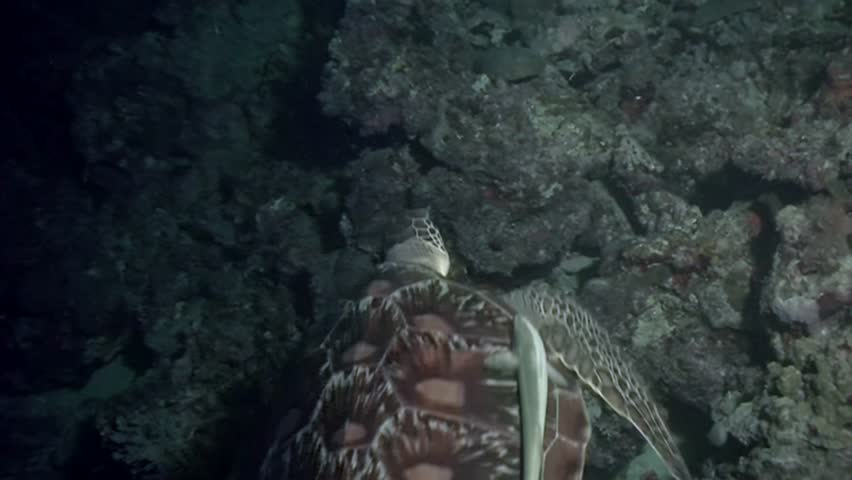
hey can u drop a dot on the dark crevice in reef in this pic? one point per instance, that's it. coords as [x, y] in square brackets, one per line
[90, 458]
[693, 429]
[427, 161]
[299, 285]
[303, 132]
[304, 135]
[519, 276]
[625, 203]
[719, 190]
[762, 250]
[302, 129]
[137, 355]
[328, 221]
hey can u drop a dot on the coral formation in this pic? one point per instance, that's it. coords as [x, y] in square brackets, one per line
[682, 168]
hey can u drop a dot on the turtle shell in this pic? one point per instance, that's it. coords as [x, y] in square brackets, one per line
[413, 385]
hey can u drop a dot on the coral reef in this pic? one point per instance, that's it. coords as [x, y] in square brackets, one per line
[682, 168]
[688, 171]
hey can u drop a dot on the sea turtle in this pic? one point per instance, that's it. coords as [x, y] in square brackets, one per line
[428, 378]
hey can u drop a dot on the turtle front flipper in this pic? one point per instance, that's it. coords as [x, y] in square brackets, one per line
[575, 339]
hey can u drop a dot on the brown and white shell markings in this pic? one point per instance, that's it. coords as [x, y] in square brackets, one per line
[417, 382]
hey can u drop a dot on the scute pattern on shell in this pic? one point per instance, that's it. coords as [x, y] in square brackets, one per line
[408, 392]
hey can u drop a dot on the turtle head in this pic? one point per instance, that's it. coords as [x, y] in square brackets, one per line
[422, 247]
